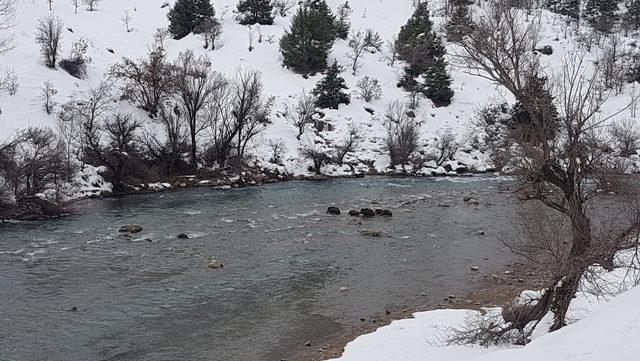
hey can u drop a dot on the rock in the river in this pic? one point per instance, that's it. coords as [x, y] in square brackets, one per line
[131, 228]
[354, 213]
[183, 236]
[333, 210]
[215, 264]
[308, 343]
[343, 289]
[475, 268]
[371, 233]
[367, 212]
[471, 200]
[386, 213]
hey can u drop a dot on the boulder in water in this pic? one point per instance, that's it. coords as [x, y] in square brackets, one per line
[183, 236]
[354, 213]
[367, 212]
[130, 228]
[333, 210]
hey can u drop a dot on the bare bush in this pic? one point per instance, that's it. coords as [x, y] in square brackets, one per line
[348, 144]
[167, 149]
[369, 89]
[403, 132]
[48, 36]
[149, 82]
[76, 63]
[301, 112]
[315, 153]
[626, 137]
[446, 146]
[278, 150]
[31, 162]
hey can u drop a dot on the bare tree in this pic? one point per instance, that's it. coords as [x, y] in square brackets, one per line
[283, 7]
[210, 31]
[50, 2]
[149, 82]
[565, 173]
[126, 20]
[359, 43]
[91, 4]
[48, 35]
[196, 83]
[7, 22]
[251, 108]
[76, 5]
[301, 112]
[47, 92]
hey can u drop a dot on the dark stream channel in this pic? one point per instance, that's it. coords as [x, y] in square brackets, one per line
[285, 262]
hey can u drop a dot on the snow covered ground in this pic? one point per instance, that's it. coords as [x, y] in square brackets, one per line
[604, 329]
[105, 31]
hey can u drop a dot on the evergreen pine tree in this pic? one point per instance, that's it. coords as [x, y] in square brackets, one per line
[545, 118]
[601, 14]
[343, 25]
[187, 15]
[329, 90]
[414, 33]
[570, 8]
[255, 12]
[306, 45]
[632, 16]
[460, 23]
[437, 82]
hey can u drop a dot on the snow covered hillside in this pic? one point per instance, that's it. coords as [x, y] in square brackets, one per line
[109, 42]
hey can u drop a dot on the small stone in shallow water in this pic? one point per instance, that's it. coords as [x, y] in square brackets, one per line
[475, 268]
[308, 343]
[215, 264]
[343, 289]
[354, 213]
[183, 236]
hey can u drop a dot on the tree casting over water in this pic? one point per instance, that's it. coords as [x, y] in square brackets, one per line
[562, 159]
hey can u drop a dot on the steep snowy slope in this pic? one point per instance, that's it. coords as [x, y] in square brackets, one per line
[104, 30]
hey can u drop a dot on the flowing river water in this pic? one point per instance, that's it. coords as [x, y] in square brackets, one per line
[73, 289]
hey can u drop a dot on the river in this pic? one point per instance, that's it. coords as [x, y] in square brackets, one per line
[73, 289]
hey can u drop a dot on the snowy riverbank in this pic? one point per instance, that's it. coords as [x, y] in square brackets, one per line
[604, 329]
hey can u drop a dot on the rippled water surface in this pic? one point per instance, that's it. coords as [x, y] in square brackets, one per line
[153, 298]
